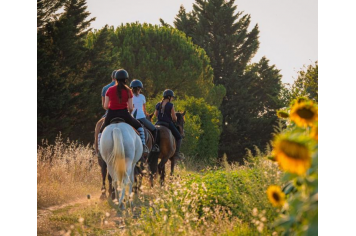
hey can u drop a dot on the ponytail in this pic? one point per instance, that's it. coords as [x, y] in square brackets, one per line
[160, 105]
[121, 84]
[135, 91]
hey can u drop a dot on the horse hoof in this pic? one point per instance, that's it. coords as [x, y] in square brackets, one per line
[122, 206]
[103, 196]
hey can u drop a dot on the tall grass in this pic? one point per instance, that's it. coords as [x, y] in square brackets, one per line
[221, 200]
[65, 171]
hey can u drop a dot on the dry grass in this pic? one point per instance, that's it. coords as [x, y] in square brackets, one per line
[65, 171]
[225, 200]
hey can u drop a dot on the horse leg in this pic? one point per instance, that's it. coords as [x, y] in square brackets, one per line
[152, 163]
[111, 188]
[173, 160]
[162, 169]
[132, 179]
[103, 168]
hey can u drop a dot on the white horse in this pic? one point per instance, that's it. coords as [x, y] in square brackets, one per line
[121, 148]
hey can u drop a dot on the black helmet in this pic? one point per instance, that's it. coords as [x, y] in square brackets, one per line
[168, 92]
[136, 83]
[113, 74]
[121, 74]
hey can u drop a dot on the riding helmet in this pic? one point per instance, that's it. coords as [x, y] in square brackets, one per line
[113, 74]
[121, 74]
[136, 84]
[168, 92]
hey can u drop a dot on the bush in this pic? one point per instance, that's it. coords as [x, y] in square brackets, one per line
[202, 128]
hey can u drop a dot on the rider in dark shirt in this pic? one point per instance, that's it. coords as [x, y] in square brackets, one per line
[165, 112]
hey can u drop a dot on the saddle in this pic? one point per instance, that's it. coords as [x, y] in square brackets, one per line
[117, 120]
[165, 124]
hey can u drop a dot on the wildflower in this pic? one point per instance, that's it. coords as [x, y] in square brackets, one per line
[282, 114]
[304, 113]
[107, 214]
[292, 153]
[106, 222]
[81, 220]
[275, 195]
[254, 211]
[165, 217]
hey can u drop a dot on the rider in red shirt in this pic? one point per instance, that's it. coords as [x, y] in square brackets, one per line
[118, 102]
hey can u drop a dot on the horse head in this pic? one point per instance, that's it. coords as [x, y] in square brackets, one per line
[180, 122]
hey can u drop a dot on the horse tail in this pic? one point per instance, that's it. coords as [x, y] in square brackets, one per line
[118, 155]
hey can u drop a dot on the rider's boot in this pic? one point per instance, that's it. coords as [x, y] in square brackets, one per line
[177, 155]
[155, 147]
[142, 135]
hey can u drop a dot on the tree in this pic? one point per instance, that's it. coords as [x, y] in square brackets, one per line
[163, 57]
[60, 65]
[101, 59]
[214, 26]
[252, 91]
[251, 115]
[307, 83]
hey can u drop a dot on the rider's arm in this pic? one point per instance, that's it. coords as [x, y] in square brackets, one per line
[103, 101]
[173, 114]
[130, 105]
[106, 103]
[156, 113]
[144, 109]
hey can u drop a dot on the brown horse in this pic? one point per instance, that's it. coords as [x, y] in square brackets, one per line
[167, 147]
[103, 166]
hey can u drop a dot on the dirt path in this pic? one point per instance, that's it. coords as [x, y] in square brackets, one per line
[44, 214]
[101, 218]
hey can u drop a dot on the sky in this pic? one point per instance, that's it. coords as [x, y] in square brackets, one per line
[288, 28]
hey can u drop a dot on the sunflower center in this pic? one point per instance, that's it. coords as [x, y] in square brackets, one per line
[294, 150]
[276, 196]
[305, 113]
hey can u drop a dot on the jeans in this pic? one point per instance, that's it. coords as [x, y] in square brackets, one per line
[148, 124]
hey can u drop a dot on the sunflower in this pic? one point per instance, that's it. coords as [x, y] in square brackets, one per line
[276, 196]
[282, 114]
[314, 132]
[304, 113]
[292, 153]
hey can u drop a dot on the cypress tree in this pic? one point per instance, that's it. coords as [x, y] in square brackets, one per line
[247, 108]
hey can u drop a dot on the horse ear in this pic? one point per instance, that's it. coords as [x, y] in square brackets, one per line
[183, 113]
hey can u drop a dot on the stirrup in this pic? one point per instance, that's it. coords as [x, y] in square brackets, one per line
[155, 148]
[145, 149]
[179, 156]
